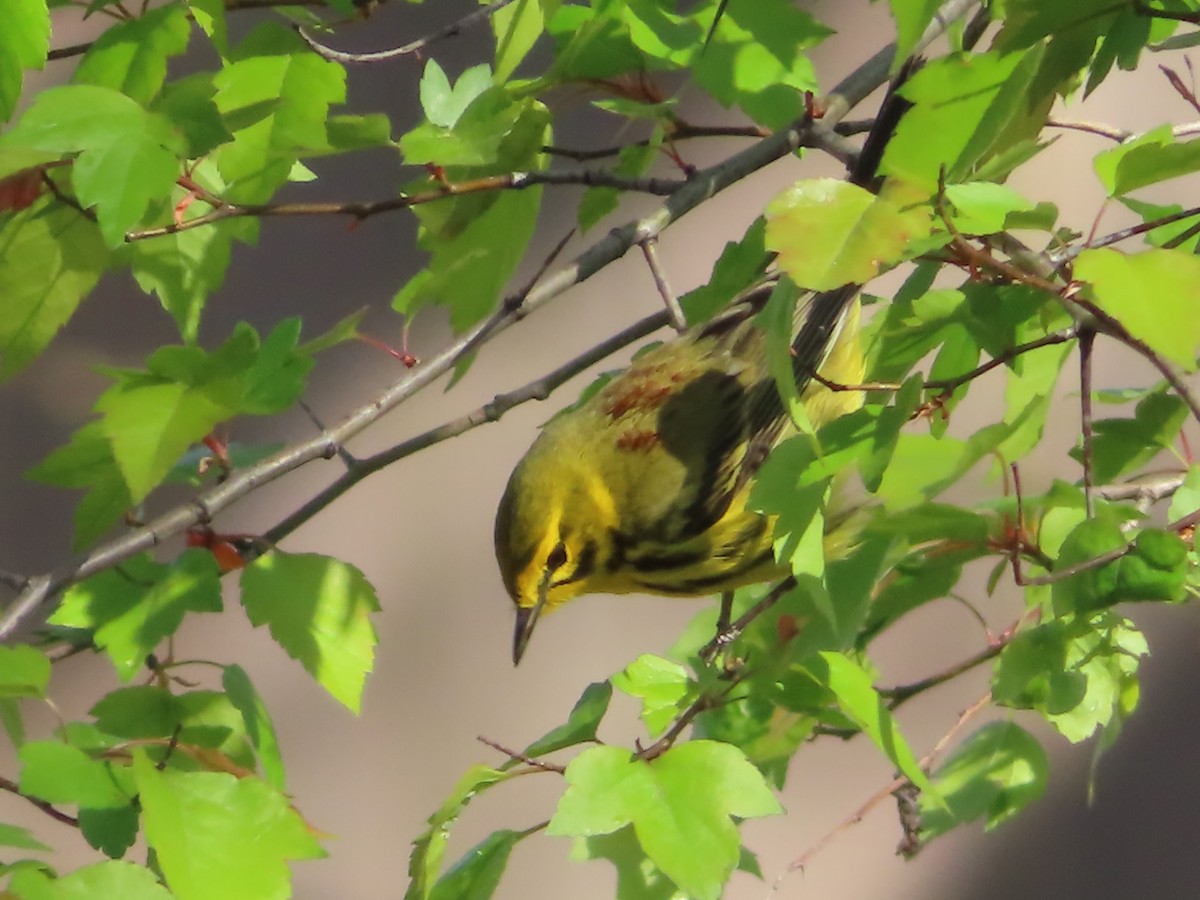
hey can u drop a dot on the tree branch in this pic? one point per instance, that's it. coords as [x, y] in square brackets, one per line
[698, 189]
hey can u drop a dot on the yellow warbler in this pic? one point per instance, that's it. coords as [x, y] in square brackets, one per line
[643, 486]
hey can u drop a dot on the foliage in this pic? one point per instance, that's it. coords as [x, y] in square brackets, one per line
[143, 166]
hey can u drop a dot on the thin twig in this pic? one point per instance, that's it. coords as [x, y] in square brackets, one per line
[520, 757]
[674, 310]
[950, 384]
[451, 30]
[362, 210]
[698, 189]
[880, 796]
[538, 389]
[1087, 342]
[50, 810]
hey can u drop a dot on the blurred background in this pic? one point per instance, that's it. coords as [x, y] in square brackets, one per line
[421, 532]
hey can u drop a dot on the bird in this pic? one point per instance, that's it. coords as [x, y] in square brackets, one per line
[643, 486]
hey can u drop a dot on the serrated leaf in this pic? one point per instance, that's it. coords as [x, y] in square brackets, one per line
[131, 56]
[59, 773]
[663, 687]
[111, 831]
[911, 17]
[680, 806]
[120, 181]
[318, 609]
[183, 269]
[992, 775]
[1147, 159]
[141, 711]
[469, 270]
[87, 462]
[276, 104]
[443, 104]
[217, 836]
[829, 233]
[1153, 294]
[637, 877]
[24, 672]
[755, 58]
[50, 258]
[1074, 671]
[983, 207]
[966, 108]
[133, 608]
[113, 878]
[24, 43]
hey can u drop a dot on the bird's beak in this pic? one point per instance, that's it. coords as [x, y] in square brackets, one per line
[527, 617]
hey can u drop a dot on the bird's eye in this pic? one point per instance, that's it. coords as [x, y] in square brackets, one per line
[557, 557]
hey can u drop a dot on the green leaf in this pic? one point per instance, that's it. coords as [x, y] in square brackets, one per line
[111, 831]
[1122, 446]
[740, 264]
[24, 672]
[680, 806]
[443, 104]
[183, 269]
[259, 727]
[829, 233]
[429, 848]
[469, 270]
[637, 877]
[1186, 499]
[217, 836]
[120, 181]
[984, 208]
[756, 59]
[1153, 568]
[318, 609]
[859, 700]
[142, 711]
[87, 462]
[50, 259]
[188, 104]
[1147, 159]
[131, 56]
[24, 43]
[965, 109]
[662, 686]
[127, 157]
[992, 775]
[477, 874]
[496, 130]
[275, 99]
[113, 878]
[134, 607]
[1152, 294]
[517, 28]
[581, 724]
[151, 418]
[1076, 671]
[912, 18]
[59, 773]
[15, 836]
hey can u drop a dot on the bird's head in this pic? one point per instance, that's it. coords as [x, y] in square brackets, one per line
[552, 530]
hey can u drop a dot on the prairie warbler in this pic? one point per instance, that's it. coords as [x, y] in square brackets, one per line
[643, 486]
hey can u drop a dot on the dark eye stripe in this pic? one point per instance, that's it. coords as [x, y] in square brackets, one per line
[584, 567]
